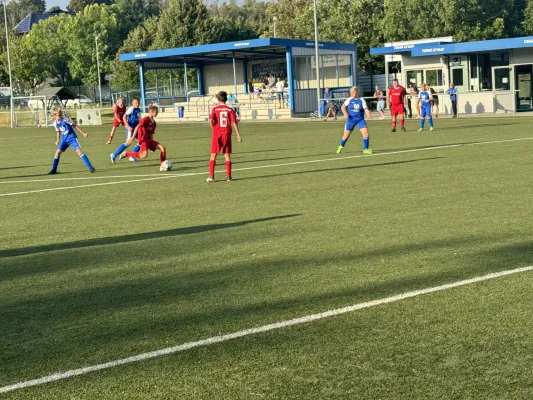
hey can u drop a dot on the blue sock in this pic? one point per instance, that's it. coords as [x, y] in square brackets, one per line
[120, 150]
[430, 119]
[86, 161]
[136, 148]
[55, 164]
[343, 142]
[366, 142]
[422, 123]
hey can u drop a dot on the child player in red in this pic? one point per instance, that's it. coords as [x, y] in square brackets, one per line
[396, 99]
[120, 110]
[145, 131]
[222, 119]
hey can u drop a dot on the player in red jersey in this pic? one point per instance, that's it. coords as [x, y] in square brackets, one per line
[222, 119]
[396, 97]
[144, 133]
[120, 110]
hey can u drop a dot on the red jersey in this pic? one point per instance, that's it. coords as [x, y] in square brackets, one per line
[222, 117]
[397, 95]
[120, 111]
[146, 129]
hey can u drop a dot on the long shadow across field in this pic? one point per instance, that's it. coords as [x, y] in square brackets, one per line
[30, 326]
[339, 169]
[134, 237]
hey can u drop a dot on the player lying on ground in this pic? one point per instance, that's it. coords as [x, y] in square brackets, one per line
[425, 102]
[66, 136]
[222, 119]
[131, 120]
[144, 133]
[354, 110]
[396, 97]
[119, 111]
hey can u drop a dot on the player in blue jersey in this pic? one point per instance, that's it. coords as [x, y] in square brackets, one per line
[66, 137]
[354, 110]
[131, 120]
[425, 97]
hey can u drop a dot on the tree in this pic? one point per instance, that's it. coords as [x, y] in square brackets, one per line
[76, 6]
[46, 43]
[95, 20]
[125, 74]
[294, 19]
[185, 23]
[528, 18]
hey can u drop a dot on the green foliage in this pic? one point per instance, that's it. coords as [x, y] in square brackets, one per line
[184, 23]
[141, 38]
[77, 6]
[528, 18]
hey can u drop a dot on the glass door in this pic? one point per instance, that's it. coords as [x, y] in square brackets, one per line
[523, 78]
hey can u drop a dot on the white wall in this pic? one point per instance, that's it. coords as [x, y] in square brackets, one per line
[220, 77]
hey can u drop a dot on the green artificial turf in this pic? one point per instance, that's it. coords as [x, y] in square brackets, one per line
[147, 260]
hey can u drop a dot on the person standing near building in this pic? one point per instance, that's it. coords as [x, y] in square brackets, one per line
[380, 98]
[280, 87]
[396, 101]
[452, 91]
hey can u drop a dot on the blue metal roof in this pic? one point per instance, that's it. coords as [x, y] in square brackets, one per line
[268, 47]
[404, 48]
[25, 25]
[429, 49]
[468, 47]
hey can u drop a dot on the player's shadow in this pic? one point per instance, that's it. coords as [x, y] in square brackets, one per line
[281, 158]
[39, 175]
[134, 237]
[24, 166]
[339, 169]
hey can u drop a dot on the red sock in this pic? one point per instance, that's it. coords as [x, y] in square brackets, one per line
[132, 154]
[402, 122]
[163, 156]
[212, 168]
[110, 138]
[228, 168]
[393, 124]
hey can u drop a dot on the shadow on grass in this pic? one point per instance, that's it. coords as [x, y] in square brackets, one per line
[121, 315]
[339, 169]
[134, 237]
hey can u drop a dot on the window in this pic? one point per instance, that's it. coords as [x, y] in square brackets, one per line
[415, 77]
[434, 77]
[457, 76]
[301, 73]
[502, 78]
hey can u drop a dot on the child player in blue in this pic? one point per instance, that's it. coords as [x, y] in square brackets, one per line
[354, 110]
[425, 107]
[131, 120]
[66, 137]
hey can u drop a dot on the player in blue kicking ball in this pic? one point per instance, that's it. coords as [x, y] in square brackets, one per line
[131, 120]
[425, 107]
[354, 110]
[66, 137]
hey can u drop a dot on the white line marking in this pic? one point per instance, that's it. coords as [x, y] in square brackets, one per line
[253, 331]
[158, 176]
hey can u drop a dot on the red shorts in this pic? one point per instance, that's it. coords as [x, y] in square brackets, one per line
[397, 109]
[117, 122]
[148, 145]
[221, 144]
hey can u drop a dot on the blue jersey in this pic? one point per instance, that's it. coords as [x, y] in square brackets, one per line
[424, 100]
[356, 108]
[134, 116]
[65, 127]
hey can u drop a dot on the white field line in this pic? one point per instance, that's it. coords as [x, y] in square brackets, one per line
[166, 176]
[253, 331]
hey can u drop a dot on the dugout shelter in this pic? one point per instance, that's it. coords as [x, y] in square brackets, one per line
[491, 76]
[206, 69]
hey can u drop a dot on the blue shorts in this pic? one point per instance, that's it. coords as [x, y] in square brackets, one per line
[352, 123]
[69, 140]
[425, 112]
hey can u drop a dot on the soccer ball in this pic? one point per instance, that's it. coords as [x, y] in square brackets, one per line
[165, 166]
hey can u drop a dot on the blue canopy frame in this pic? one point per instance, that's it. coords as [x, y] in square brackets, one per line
[230, 52]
